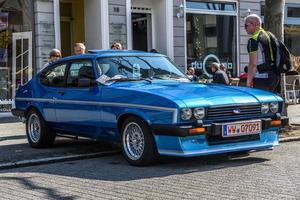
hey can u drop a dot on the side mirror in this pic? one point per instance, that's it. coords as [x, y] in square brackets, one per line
[86, 82]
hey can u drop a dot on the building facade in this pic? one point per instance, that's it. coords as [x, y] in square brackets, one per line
[191, 32]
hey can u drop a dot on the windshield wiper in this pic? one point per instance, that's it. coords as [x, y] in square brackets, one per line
[168, 76]
[129, 79]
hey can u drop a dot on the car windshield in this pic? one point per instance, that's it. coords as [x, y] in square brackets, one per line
[132, 68]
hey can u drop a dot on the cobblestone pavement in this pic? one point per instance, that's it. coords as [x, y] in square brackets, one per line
[14, 146]
[262, 175]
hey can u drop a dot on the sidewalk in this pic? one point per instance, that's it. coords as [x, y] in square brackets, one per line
[294, 114]
[7, 117]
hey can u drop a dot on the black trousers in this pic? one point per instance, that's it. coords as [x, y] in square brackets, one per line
[270, 84]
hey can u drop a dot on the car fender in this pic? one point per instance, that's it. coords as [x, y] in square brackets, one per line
[133, 111]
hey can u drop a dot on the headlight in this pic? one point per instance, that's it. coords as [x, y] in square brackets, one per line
[186, 114]
[199, 113]
[264, 108]
[274, 107]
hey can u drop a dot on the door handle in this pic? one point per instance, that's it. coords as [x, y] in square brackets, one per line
[61, 93]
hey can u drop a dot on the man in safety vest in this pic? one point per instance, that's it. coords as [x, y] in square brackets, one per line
[261, 69]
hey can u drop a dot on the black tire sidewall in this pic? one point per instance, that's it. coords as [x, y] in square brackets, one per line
[149, 155]
[46, 135]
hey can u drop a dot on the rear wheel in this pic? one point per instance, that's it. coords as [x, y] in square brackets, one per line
[138, 144]
[39, 135]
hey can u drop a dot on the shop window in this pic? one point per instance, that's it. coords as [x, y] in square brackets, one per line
[293, 12]
[211, 38]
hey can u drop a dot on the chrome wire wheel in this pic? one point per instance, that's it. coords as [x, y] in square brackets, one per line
[133, 141]
[34, 128]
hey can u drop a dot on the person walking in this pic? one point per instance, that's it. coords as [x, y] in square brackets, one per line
[261, 73]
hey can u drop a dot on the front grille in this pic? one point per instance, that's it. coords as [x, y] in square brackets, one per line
[227, 112]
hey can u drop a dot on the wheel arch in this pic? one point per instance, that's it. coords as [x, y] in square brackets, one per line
[121, 119]
[32, 107]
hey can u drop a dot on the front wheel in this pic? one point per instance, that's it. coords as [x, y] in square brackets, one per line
[138, 144]
[39, 135]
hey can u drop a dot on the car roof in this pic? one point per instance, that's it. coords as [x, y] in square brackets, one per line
[109, 53]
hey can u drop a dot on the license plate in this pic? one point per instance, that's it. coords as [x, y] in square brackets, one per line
[241, 128]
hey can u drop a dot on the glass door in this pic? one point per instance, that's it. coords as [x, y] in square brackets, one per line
[21, 59]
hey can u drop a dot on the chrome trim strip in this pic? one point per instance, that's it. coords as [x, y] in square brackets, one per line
[174, 110]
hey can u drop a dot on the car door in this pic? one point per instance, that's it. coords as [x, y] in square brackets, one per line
[76, 109]
[51, 80]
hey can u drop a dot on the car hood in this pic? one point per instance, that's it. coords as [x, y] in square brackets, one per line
[194, 94]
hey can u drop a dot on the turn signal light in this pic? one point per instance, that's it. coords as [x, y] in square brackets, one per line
[276, 122]
[197, 130]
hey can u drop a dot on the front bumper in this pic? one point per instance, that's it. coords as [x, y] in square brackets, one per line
[211, 129]
[211, 142]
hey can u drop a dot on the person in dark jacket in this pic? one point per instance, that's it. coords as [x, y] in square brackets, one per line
[219, 76]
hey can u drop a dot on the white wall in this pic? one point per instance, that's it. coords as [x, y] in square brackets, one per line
[141, 3]
[96, 24]
[44, 35]
[159, 23]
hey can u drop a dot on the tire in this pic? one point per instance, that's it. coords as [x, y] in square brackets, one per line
[39, 135]
[138, 144]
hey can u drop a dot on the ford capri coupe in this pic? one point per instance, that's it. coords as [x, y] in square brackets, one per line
[142, 101]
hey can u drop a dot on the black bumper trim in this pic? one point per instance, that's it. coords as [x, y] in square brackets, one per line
[18, 112]
[214, 129]
[174, 130]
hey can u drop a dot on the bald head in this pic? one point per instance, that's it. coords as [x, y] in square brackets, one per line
[253, 18]
[252, 23]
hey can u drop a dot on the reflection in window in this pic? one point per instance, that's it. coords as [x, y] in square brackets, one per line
[54, 76]
[139, 67]
[211, 38]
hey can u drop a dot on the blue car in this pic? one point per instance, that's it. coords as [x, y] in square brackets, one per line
[142, 101]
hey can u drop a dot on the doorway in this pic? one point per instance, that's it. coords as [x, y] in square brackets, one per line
[21, 60]
[71, 25]
[141, 31]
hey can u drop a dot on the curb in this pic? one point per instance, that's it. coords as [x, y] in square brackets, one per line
[32, 162]
[290, 139]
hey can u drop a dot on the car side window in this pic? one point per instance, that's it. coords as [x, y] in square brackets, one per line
[80, 74]
[54, 76]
